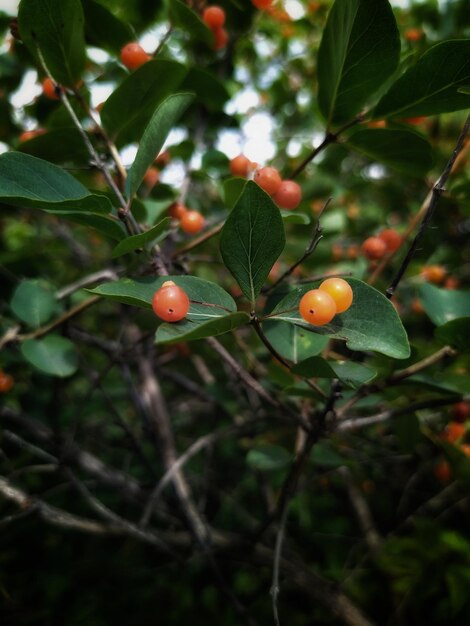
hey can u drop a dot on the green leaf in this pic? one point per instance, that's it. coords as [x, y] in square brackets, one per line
[196, 328]
[129, 108]
[208, 89]
[268, 458]
[371, 323]
[183, 17]
[33, 303]
[252, 239]
[56, 28]
[403, 150]
[161, 123]
[107, 226]
[292, 217]
[129, 244]
[444, 305]
[352, 374]
[324, 454]
[31, 182]
[431, 85]
[105, 30]
[293, 342]
[456, 333]
[233, 188]
[359, 50]
[59, 145]
[53, 355]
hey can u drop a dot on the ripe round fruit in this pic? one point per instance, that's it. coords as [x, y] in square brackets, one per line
[374, 248]
[192, 222]
[454, 431]
[50, 88]
[214, 16]
[317, 307]
[6, 382]
[151, 177]
[461, 411]
[262, 4]
[133, 56]
[177, 210]
[443, 472]
[220, 38]
[240, 166]
[434, 274]
[170, 303]
[288, 196]
[340, 291]
[268, 178]
[391, 239]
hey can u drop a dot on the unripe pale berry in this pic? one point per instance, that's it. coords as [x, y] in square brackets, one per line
[317, 307]
[170, 303]
[288, 196]
[133, 56]
[269, 179]
[340, 291]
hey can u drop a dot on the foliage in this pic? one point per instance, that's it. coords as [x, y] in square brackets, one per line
[197, 465]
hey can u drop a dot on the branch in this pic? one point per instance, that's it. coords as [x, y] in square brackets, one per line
[436, 194]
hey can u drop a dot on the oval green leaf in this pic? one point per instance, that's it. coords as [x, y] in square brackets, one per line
[268, 458]
[359, 50]
[129, 244]
[456, 333]
[252, 239]
[57, 29]
[53, 355]
[33, 303]
[351, 374]
[105, 30]
[432, 85]
[193, 327]
[293, 342]
[402, 150]
[444, 305]
[208, 89]
[129, 108]
[161, 123]
[181, 15]
[31, 182]
[371, 323]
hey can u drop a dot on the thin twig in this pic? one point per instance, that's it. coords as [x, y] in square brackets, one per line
[436, 194]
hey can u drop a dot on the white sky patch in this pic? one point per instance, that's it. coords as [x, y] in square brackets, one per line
[100, 92]
[4, 147]
[97, 55]
[10, 7]
[295, 9]
[242, 102]
[374, 172]
[230, 142]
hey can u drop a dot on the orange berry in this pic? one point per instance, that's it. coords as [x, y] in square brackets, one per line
[50, 89]
[417, 307]
[289, 195]
[377, 124]
[30, 134]
[460, 412]
[374, 248]
[240, 166]
[391, 239]
[336, 252]
[220, 38]
[352, 252]
[6, 382]
[163, 158]
[317, 307]
[451, 282]
[214, 17]
[433, 274]
[177, 210]
[170, 303]
[454, 431]
[340, 291]
[443, 472]
[415, 120]
[262, 4]
[151, 177]
[133, 56]
[414, 34]
[465, 448]
[192, 222]
[268, 178]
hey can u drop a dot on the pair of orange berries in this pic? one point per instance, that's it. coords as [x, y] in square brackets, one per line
[191, 222]
[387, 241]
[214, 18]
[287, 194]
[319, 306]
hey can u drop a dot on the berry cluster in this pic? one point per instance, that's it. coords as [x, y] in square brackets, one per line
[386, 242]
[190, 222]
[214, 18]
[319, 306]
[287, 194]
